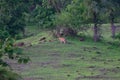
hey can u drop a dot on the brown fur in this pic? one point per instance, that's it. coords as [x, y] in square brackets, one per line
[62, 40]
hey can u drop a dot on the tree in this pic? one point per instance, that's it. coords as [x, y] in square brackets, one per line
[44, 13]
[11, 16]
[113, 12]
[72, 15]
[82, 12]
[94, 10]
[42, 16]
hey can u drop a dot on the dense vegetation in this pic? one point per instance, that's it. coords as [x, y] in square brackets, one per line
[58, 13]
[62, 17]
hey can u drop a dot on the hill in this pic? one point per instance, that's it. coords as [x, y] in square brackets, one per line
[76, 60]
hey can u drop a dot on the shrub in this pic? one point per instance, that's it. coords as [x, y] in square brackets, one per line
[7, 74]
[117, 36]
[8, 49]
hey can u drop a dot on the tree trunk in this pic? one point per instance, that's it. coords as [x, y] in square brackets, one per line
[113, 28]
[96, 37]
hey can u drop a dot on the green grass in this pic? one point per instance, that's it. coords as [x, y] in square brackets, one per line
[85, 60]
[56, 61]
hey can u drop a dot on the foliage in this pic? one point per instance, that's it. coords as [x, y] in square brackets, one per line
[80, 13]
[11, 16]
[7, 74]
[43, 16]
[71, 16]
[117, 36]
[63, 19]
[7, 49]
[51, 13]
[112, 9]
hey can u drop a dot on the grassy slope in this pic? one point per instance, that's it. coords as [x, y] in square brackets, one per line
[76, 61]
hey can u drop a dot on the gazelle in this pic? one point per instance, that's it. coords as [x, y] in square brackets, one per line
[61, 39]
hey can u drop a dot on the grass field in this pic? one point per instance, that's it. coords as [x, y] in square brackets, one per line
[77, 60]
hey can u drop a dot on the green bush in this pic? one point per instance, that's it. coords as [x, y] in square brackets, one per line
[7, 74]
[4, 35]
[117, 36]
[8, 49]
[42, 17]
[81, 34]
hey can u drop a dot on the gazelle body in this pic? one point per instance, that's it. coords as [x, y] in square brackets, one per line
[62, 40]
